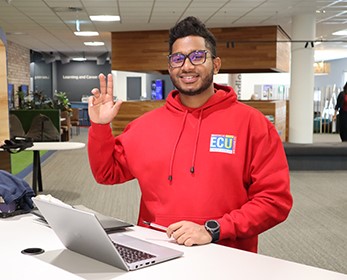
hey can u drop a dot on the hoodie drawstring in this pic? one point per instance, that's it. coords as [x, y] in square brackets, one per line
[176, 144]
[192, 169]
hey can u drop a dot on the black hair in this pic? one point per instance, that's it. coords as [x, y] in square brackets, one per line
[345, 88]
[191, 26]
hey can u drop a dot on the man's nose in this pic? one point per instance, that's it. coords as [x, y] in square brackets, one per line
[187, 64]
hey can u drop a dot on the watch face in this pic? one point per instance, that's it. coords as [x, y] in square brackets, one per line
[212, 224]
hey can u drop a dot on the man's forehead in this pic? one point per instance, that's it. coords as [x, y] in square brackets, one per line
[188, 44]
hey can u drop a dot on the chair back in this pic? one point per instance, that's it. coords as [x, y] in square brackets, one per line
[67, 119]
[75, 115]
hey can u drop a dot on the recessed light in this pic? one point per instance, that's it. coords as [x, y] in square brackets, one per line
[341, 32]
[86, 33]
[15, 33]
[94, 44]
[79, 59]
[105, 18]
[67, 9]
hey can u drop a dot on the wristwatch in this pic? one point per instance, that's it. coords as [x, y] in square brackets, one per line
[212, 226]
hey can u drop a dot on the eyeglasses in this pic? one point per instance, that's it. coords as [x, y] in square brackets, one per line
[197, 57]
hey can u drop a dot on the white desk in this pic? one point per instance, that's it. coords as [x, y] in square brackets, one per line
[199, 262]
[47, 146]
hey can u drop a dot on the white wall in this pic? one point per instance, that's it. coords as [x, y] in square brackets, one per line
[249, 80]
[222, 79]
[120, 83]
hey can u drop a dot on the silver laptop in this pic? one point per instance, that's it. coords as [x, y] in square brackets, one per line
[108, 223]
[81, 232]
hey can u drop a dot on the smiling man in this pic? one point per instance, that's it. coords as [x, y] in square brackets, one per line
[210, 168]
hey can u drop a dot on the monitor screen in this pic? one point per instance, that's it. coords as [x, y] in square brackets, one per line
[24, 88]
[157, 89]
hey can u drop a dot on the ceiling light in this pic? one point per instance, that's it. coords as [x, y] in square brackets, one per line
[94, 44]
[78, 29]
[105, 18]
[79, 59]
[341, 32]
[67, 9]
[15, 33]
[86, 33]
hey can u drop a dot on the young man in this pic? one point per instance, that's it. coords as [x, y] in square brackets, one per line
[211, 169]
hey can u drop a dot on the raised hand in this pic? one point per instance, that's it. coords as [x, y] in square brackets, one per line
[101, 107]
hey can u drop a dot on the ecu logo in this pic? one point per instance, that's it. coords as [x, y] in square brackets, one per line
[222, 143]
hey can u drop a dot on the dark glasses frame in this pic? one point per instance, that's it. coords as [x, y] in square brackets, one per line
[190, 56]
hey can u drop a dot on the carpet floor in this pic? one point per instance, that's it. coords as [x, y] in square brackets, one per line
[314, 233]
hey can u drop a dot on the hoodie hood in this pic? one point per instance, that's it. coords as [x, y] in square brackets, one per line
[224, 96]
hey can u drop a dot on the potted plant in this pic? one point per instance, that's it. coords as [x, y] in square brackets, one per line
[62, 101]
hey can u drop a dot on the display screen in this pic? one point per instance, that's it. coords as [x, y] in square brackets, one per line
[24, 88]
[157, 89]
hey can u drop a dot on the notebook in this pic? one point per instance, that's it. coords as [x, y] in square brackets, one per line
[81, 232]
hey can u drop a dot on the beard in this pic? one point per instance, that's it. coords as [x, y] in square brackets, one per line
[191, 92]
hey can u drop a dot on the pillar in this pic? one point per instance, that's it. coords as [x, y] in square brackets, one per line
[234, 80]
[5, 160]
[302, 80]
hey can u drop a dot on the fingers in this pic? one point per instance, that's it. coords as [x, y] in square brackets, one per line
[102, 80]
[182, 235]
[105, 93]
[116, 106]
[90, 101]
[188, 233]
[96, 99]
[186, 239]
[110, 84]
[106, 87]
[172, 228]
[95, 92]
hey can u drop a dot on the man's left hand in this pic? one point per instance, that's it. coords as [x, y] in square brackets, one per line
[189, 233]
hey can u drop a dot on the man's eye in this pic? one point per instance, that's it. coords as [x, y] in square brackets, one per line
[177, 59]
[198, 56]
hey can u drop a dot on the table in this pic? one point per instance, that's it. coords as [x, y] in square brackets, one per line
[199, 262]
[49, 146]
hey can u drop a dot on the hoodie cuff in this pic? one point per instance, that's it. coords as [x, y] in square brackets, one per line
[224, 233]
[97, 130]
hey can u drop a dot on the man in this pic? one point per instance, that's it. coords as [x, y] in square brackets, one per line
[211, 169]
[341, 107]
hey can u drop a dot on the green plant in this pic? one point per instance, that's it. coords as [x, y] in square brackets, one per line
[21, 101]
[62, 101]
[41, 101]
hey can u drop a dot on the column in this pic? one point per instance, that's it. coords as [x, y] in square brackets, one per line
[5, 160]
[302, 80]
[234, 80]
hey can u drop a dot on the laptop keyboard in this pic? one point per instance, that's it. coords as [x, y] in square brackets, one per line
[131, 255]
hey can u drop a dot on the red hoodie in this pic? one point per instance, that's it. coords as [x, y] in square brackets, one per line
[222, 161]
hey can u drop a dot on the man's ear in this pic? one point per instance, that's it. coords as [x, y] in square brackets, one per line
[217, 63]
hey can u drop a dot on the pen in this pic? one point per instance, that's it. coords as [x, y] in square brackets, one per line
[154, 225]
